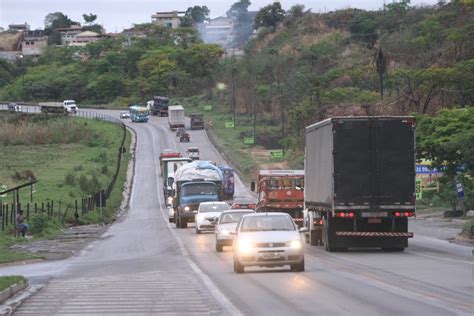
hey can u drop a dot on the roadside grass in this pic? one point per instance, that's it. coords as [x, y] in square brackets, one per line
[6, 281]
[467, 227]
[6, 255]
[63, 171]
[66, 172]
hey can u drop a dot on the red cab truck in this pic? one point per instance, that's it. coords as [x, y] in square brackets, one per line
[281, 191]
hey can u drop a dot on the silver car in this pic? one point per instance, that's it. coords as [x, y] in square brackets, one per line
[226, 226]
[268, 240]
[207, 215]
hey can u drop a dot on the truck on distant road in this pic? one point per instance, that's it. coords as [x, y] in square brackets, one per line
[195, 182]
[197, 121]
[281, 191]
[176, 116]
[53, 108]
[360, 182]
[160, 106]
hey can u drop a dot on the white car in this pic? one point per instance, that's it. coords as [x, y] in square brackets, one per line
[207, 215]
[225, 228]
[268, 240]
[125, 114]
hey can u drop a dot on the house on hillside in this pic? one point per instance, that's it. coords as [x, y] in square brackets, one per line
[33, 43]
[84, 38]
[68, 34]
[218, 31]
[167, 19]
[18, 27]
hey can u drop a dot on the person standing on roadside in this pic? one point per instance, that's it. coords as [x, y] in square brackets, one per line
[22, 227]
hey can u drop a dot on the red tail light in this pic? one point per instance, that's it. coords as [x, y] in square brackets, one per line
[397, 214]
[342, 214]
[351, 215]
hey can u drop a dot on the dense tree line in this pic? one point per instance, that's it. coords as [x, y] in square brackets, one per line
[123, 70]
[302, 66]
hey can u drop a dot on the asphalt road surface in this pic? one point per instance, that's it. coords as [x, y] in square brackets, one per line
[147, 266]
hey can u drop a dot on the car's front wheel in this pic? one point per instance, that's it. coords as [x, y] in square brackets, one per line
[299, 267]
[238, 267]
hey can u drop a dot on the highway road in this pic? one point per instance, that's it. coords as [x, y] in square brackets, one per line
[147, 266]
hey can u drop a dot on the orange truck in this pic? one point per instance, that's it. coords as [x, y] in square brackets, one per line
[280, 191]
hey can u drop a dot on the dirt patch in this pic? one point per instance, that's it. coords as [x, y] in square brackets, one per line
[68, 243]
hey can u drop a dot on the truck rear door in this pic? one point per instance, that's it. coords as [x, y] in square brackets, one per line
[396, 161]
[352, 155]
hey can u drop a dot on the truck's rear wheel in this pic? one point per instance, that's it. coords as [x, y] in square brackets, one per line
[328, 236]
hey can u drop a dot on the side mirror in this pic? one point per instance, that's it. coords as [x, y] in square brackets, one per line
[252, 186]
[303, 229]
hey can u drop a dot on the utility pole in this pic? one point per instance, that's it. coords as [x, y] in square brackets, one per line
[232, 74]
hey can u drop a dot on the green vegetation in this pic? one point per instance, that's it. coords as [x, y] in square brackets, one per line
[70, 157]
[67, 168]
[6, 281]
[121, 70]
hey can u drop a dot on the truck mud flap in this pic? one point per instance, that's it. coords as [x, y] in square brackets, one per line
[375, 234]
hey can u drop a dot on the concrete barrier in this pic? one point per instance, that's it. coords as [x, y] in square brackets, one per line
[12, 290]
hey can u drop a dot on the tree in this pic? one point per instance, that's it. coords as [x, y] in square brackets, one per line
[57, 20]
[447, 140]
[243, 27]
[195, 15]
[363, 26]
[89, 18]
[269, 16]
[381, 64]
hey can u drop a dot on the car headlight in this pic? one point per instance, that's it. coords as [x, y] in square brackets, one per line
[200, 217]
[186, 208]
[295, 244]
[245, 246]
[224, 232]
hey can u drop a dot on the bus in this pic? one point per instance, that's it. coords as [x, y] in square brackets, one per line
[139, 113]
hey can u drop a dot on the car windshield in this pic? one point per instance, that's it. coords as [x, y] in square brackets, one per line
[218, 207]
[232, 217]
[267, 223]
[195, 189]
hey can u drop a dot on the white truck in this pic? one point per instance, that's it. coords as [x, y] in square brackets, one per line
[65, 107]
[175, 116]
[70, 106]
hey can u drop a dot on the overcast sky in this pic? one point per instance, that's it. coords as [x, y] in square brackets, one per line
[116, 15]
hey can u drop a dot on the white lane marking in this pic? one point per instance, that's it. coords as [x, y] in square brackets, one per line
[220, 297]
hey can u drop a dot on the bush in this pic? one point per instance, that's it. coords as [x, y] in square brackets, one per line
[104, 170]
[39, 223]
[89, 185]
[70, 179]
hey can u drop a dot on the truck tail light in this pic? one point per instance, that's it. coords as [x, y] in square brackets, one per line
[404, 214]
[345, 214]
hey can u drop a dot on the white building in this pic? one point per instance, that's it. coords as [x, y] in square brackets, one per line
[167, 19]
